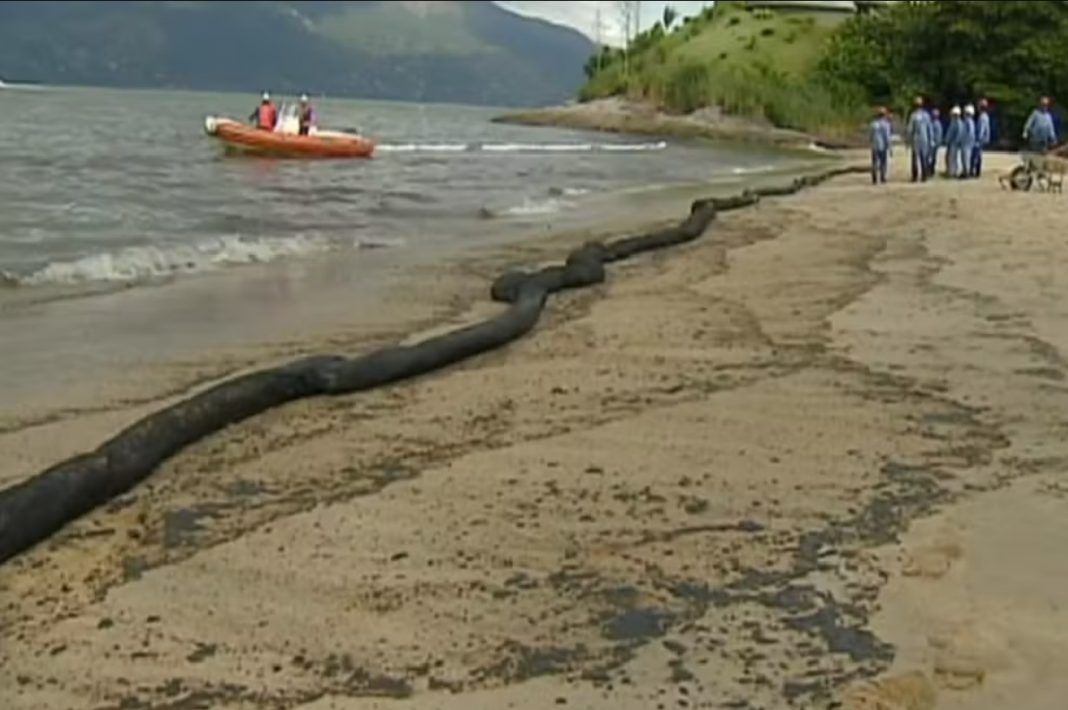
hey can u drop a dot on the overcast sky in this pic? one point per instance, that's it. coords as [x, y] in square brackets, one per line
[583, 15]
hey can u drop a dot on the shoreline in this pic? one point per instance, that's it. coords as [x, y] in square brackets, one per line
[616, 115]
[692, 489]
[30, 515]
[287, 306]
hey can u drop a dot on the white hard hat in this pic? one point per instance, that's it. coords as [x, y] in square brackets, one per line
[266, 96]
[970, 110]
[304, 98]
[955, 111]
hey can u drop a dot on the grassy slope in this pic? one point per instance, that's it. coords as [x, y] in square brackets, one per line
[756, 64]
[794, 44]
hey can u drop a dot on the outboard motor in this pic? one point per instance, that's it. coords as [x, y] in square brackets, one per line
[288, 120]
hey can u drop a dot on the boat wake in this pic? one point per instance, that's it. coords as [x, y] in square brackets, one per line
[520, 147]
[7, 86]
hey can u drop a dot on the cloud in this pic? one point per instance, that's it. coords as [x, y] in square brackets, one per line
[583, 15]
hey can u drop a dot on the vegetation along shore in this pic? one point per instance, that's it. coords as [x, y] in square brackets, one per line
[745, 71]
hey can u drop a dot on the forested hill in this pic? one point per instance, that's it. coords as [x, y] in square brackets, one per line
[464, 52]
[824, 72]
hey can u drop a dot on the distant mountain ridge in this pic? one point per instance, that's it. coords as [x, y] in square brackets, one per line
[464, 52]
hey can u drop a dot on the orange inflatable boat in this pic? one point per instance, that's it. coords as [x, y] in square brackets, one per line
[241, 137]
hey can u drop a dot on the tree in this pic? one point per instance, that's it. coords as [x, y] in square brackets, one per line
[599, 60]
[955, 52]
[865, 7]
[669, 16]
[592, 65]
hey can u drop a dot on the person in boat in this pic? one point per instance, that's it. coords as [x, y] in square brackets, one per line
[265, 115]
[306, 115]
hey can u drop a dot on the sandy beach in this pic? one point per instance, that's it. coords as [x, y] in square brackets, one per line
[814, 459]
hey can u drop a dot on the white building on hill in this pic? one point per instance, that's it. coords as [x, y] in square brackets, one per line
[844, 7]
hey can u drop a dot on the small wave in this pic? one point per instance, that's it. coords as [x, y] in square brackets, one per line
[568, 191]
[422, 198]
[531, 208]
[753, 169]
[379, 243]
[145, 263]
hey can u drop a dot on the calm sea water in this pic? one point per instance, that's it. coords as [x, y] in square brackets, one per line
[101, 185]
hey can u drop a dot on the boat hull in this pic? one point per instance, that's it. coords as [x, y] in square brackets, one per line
[242, 138]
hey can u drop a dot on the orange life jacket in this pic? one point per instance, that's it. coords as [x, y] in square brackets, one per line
[266, 117]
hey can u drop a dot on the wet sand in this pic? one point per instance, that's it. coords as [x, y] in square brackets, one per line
[65, 353]
[820, 446]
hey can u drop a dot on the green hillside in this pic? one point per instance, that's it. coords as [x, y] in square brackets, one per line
[755, 63]
[465, 52]
[385, 29]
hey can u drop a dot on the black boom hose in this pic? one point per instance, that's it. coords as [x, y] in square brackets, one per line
[34, 509]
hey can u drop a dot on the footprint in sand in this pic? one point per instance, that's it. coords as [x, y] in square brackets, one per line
[931, 561]
[965, 656]
[903, 691]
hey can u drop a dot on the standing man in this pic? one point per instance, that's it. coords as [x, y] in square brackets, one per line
[918, 137]
[954, 141]
[306, 115]
[982, 138]
[1039, 131]
[879, 133]
[265, 115]
[936, 141]
[967, 142]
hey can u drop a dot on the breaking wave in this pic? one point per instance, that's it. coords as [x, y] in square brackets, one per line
[145, 263]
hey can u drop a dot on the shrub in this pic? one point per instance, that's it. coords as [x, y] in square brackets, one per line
[687, 87]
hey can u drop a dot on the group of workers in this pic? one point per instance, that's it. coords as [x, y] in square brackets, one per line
[964, 138]
[265, 116]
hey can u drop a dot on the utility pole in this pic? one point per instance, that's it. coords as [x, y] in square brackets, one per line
[598, 36]
[630, 20]
[625, 9]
